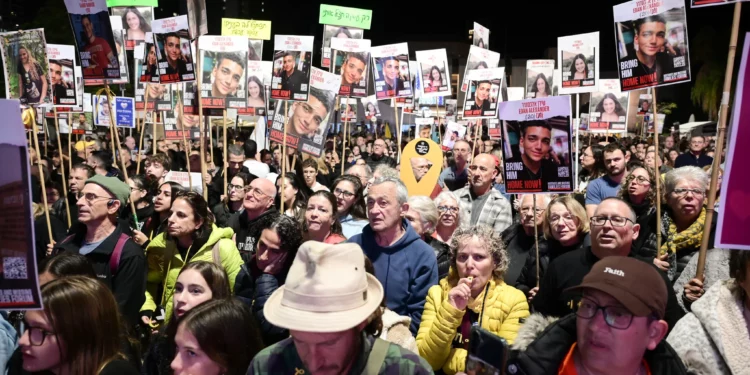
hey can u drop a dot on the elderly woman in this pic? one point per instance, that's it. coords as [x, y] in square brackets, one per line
[682, 222]
[565, 226]
[473, 293]
[715, 334]
[448, 221]
[637, 190]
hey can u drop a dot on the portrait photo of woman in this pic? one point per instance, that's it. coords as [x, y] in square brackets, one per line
[610, 108]
[435, 79]
[255, 91]
[579, 69]
[136, 24]
[540, 87]
[33, 85]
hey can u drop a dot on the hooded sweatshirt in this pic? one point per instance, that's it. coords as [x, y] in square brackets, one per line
[407, 269]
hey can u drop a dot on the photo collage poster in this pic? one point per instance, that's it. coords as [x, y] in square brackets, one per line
[174, 54]
[578, 61]
[479, 58]
[351, 59]
[292, 63]
[224, 68]
[652, 43]
[537, 152]
[539, 78]
[308, 121]
[341, 32]
[390, 69]
[434, 72]
[608, 108]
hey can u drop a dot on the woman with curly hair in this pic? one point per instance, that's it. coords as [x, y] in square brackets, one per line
[473, 293]
[610, 108]
[637, 190]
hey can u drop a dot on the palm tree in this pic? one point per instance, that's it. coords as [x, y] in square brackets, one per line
[711, 57]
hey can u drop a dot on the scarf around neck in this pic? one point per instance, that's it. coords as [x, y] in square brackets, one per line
[688, 238]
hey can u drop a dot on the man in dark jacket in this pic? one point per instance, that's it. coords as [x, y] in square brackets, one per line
[118, 262]
[619, 327]
[379, 155]
[521, 247]
[236, 156]
[695, 156]
[258, 212]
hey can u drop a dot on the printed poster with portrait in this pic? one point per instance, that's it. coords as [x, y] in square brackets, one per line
[136, 21]
[197, 19]
[453, 132]
[26, 67]
[292, 61]
[254, 49]
[101, 110]
[645, 102]
[348, 109]
[480, 36]
[173, 53]
[351, 59]
[186, 120]
[62, 74]
[483, 96]
[537, 155]
[341, 32]
[539, 78]
[515, 93]
[224, 66]
[705, 3]
[434, 71]
[608, 108]
[94, 38]
[578, 60]
[450, 107]
[390, 71]
[119, 37]
[256, 92]
[421, 162]
[138, 86]
[161, 95]
[583, 123]
[652, 43]
[372, 110]
[149, 69]
[307, 122]
[479, 58]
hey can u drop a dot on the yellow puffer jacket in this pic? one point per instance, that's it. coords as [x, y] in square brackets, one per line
[165, 263]
[505, 306]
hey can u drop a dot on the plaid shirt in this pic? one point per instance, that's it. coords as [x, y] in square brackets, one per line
[496, 212]
[282, 359]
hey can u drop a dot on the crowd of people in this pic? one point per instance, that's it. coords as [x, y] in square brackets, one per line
[333, 268]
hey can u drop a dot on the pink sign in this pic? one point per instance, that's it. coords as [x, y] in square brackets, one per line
[734, 218]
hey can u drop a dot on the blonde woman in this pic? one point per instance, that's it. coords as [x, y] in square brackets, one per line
[32, 81]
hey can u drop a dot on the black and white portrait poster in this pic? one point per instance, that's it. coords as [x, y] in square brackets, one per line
[173, 51]
[342, 32]
[351, 59]
[136, 21]
[479, 58]
[372, 110]
[539, 78]
[608, 108]
[150, 67]
[578, 61]
[197, 18]
[390, 71]
[483, 96]
[652, 43]
[93, 34]
[308, 121]
[62, 74]
[256, 92]
[224, 66]
[537, 155]
[292, 61]
[433, 69]
[481, 36]
[26, 67]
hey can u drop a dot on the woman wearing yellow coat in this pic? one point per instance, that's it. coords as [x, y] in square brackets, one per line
[473, 293]
[191, 236]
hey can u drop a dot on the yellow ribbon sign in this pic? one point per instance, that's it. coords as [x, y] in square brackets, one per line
[252, 29]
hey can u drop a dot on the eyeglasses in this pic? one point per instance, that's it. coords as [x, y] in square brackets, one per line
[566, 218]
[347, 194]
[616, 221]
[37, 335]
[236, 187]
[641, 180]
[132, 189]
[680, 192]
[257, 193]
[448, 209]
[90, 197]
[615, 316]
[527, 210]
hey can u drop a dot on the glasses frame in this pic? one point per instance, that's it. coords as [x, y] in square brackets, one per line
[45, 333]
[605, 313]
[610, 221]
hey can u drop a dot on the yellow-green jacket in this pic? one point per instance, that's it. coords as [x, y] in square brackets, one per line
[505, 307]
[165, 262]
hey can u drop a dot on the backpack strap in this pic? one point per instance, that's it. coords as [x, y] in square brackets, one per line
[216, 253]
[377, 357]
[114, 259]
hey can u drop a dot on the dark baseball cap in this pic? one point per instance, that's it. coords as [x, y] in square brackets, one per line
[635, 284]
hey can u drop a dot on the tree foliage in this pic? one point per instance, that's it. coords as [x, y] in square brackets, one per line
[710, 54]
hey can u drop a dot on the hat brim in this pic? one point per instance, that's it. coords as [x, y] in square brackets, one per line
[626, 299]
[323, 322]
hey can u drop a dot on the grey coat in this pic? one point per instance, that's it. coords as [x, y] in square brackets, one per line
[717, 269]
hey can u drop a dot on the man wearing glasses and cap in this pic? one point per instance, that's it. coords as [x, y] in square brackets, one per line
[619, 327]
[613, 231]
[331, 307]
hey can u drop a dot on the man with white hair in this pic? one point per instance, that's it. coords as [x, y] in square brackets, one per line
[329, 304]
[404, 264]
[520, 245]
[363, 172]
